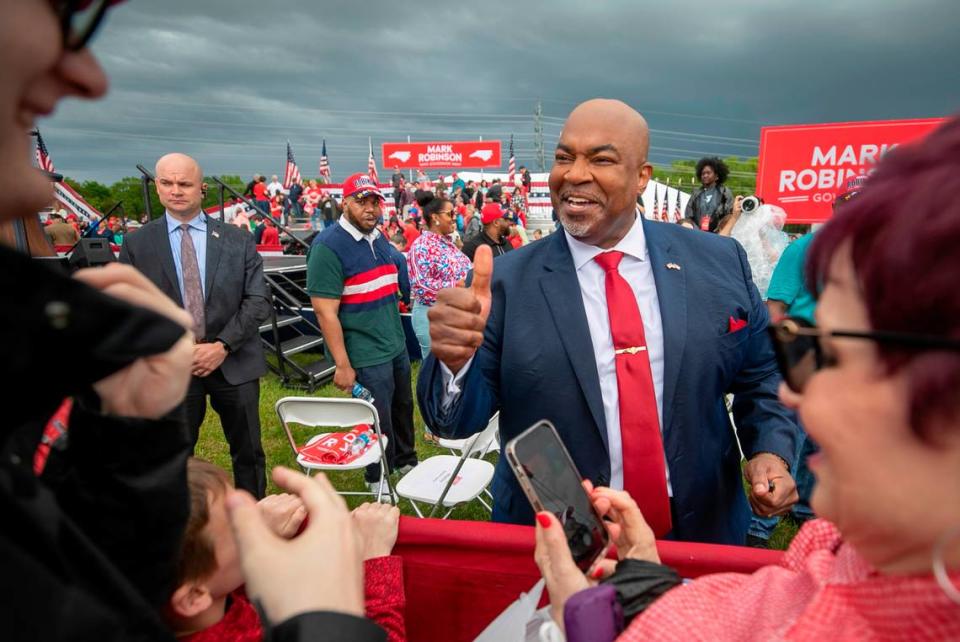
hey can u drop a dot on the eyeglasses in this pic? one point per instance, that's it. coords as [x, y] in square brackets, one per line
[79, 20]
[797, 344]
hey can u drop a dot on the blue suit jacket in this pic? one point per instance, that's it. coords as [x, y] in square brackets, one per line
[537, 362]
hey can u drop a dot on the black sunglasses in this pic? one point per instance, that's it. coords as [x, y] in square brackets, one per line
[79, 20]
[799, 352]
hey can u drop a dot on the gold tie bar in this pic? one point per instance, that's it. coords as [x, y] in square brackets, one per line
[630, 350]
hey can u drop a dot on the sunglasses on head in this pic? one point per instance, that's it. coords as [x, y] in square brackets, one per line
[799, 352]
[79, 20]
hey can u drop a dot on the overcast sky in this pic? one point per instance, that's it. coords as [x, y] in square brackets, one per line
[229, 81]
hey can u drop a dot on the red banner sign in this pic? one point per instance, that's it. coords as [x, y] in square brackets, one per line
[802, 168]
[443, 155]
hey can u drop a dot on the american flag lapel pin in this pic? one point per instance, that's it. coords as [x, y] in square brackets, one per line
[673, 266]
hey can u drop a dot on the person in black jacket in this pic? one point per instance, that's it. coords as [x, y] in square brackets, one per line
[88, 547]
[713, 200]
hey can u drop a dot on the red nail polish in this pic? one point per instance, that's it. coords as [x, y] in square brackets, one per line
[544, 520]
[597, 572]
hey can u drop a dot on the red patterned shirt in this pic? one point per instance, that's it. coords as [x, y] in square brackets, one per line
[822, 590]
[434, 263]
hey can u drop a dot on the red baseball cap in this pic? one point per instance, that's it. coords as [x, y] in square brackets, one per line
[850, 189]
[490, 213]
[361, 186]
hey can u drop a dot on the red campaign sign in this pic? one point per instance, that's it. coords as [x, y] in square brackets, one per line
[470, 154]
[802, 168]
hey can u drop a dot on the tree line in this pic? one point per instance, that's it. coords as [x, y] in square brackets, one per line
[128, 190]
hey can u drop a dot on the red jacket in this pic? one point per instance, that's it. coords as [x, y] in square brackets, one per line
[270, 236]
[411, 233]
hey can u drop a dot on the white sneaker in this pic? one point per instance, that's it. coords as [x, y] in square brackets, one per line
[380, 492]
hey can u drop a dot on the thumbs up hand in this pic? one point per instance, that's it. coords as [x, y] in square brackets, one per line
[460, 314]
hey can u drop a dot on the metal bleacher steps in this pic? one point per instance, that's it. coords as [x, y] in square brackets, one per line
[291, 337]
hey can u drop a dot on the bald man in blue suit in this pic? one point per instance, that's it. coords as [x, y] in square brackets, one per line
[532, 339]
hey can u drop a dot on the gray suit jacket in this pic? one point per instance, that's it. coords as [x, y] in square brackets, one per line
[237, 300]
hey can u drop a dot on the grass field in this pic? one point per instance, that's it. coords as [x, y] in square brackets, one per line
[213, 447]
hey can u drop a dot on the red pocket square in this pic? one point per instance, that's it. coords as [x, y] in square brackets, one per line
[737, 324]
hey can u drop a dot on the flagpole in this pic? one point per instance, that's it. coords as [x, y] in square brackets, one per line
[409, 169]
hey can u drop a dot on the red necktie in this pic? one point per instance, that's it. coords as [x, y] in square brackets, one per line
[644, 473]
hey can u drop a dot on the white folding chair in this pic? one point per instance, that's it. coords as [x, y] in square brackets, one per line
[335, 413]
[456, 446]
[447, 480]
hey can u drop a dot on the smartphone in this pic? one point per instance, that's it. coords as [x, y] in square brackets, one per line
[551, 482]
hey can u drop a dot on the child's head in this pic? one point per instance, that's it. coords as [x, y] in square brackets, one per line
[208, 568]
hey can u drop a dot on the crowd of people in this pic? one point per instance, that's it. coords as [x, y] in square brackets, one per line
[626, 333]
[64, 229]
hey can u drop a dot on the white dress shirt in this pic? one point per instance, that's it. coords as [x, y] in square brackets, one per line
[635, 269]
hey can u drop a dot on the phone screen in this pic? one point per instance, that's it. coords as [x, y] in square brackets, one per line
[546, 471]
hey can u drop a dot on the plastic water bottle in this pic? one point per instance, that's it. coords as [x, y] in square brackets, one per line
[361, 443]
[359, 392]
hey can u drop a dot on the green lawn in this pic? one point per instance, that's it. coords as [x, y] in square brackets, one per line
[213, 447]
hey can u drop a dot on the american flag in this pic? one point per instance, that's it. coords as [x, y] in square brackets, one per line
[665, 212]
[511, 166]
[372, 164]
[292, 174]
[44, 161]
[324, 163]
[656, 202]
[677, 212]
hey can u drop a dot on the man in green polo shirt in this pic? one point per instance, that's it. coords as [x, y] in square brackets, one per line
[353, 282]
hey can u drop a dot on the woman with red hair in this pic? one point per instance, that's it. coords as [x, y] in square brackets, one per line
[875, 383]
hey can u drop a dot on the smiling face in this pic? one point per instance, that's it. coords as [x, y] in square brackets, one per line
[443, 221]
[37, 73]
[891, 493]
[599, 169]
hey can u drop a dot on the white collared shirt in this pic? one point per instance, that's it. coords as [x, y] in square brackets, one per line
[357, 234]
[636, 270]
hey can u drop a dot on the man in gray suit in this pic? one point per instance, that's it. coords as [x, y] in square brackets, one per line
[213, 271]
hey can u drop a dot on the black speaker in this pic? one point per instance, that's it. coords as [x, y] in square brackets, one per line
[91, 252]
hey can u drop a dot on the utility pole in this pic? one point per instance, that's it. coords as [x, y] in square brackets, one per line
[538, 135]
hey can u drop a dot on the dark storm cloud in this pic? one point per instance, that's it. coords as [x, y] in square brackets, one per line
[230, 82]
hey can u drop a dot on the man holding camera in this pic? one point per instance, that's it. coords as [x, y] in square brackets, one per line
[213, 270]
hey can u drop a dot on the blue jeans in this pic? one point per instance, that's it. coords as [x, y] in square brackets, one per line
[763, 527]
[421, 326]
[389, 383]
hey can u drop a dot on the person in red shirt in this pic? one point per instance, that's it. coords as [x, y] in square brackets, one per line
[271, 236]
[410, 232]
[276, 208]
[262, 200]
[311, 204]
[209, 602]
